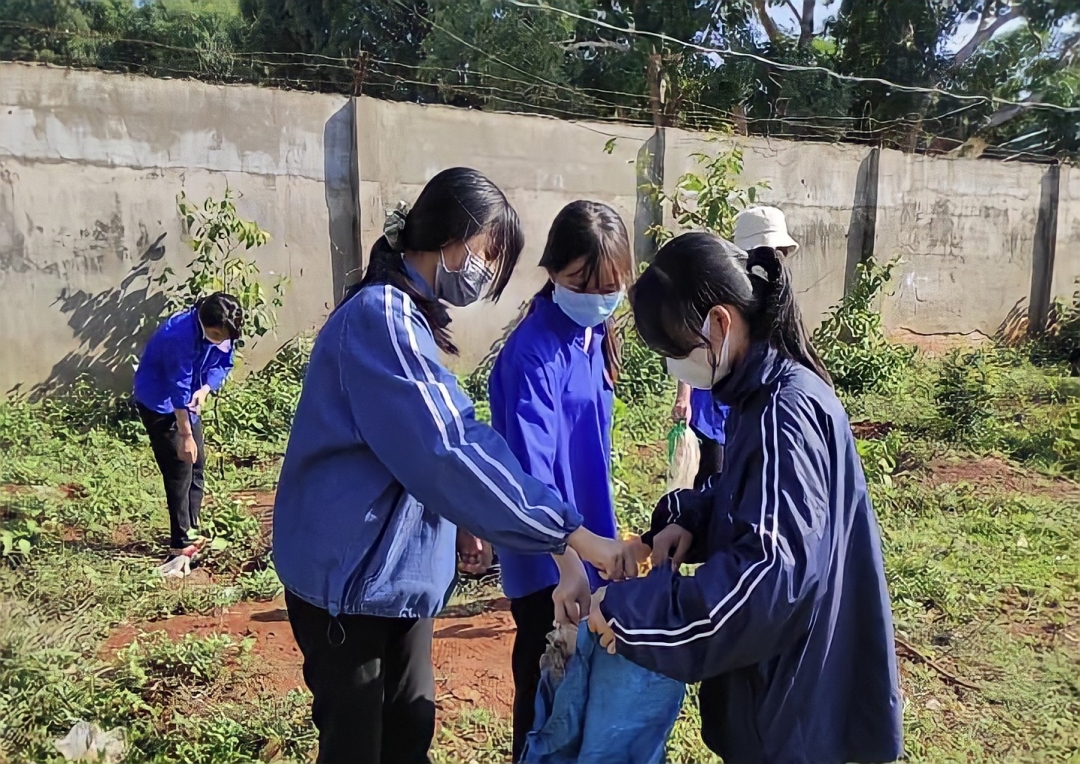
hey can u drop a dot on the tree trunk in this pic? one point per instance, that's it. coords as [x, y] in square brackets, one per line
[806, 23]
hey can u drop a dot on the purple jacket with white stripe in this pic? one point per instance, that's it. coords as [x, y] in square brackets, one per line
[787, 623]
[384, 458]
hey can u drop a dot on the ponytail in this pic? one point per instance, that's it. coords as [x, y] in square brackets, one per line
[778, 318]
[386, 266]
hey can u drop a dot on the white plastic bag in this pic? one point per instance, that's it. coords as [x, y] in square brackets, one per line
[86, 742]
[684, 456]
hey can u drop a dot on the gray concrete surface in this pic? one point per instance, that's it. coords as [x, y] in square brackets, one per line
[90, 165]
[965, 230]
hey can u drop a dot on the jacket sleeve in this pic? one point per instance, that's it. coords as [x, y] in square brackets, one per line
[219, 370]
[531, 419]
[756, 595]
[688, 508]
[411, 412]
[178, 361]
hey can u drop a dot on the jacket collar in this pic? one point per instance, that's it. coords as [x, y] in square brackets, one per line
[418, 280]
[566, 327]
[759, 368]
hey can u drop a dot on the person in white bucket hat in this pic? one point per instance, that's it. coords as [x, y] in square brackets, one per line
[755, 227]
[763, 227]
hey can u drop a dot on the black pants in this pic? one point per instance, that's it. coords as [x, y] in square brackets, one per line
[372, 681]
[712, 460]
[533, 615]
[184, 481]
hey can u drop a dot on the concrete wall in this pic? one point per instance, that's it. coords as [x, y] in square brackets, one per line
[90, 166]
[815, 186]
[1067, 255]
[965, 231]
[541, 164]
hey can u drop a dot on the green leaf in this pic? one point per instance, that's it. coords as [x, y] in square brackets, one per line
[609, 146]
[24, 547]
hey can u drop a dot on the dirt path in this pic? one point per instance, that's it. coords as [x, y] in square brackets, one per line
[471, 650]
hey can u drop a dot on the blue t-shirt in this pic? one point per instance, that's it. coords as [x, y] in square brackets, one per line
[707, 416]
[553, 403]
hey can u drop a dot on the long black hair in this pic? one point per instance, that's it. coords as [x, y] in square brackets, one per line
[695, 272]
[221, 311]
[455, 205]
[596, 232]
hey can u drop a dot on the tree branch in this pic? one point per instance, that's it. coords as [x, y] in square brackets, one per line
[984, 33]
[771, 30]
[806, 23]
[570, 45]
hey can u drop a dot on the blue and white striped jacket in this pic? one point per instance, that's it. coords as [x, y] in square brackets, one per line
[384, 459]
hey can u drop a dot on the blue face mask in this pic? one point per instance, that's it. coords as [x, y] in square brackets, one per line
[586, 309]
[463, 286]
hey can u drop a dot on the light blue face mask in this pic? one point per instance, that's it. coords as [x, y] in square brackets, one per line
[586, 309]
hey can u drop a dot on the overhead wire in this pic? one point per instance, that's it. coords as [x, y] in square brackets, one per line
[783, 66]
[693, 114]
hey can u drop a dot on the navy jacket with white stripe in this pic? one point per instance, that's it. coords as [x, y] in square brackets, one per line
[787, 623]
[384, 458]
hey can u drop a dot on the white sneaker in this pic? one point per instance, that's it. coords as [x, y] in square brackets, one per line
[175, 567]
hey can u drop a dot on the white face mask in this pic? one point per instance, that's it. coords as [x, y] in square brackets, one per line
[696, 369]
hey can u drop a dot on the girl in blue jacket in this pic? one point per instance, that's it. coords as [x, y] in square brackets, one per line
[385, 458]
[552, 398]
[787, 623]
[187, 358]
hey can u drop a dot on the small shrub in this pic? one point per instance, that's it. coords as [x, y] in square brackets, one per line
[879, 459]
[965, 396]
[1067, 443]
[190, 662]
[261, 406]
[642, 375]
[1062, 336]
[852, 342]
[232, 529]
[710, 198]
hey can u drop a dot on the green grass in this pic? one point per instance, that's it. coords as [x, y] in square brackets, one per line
[983, 574]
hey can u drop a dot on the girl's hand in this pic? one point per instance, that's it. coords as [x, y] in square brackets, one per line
[681, 411]
[612, 559]
[198, 398]
[672, 543]
[599, 625]
[187, 449]
[571, 597]
[474, 555]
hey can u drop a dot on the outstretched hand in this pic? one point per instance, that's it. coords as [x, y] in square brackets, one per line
[671, 545]
[572, 597]
[474, 555]
[614, 560]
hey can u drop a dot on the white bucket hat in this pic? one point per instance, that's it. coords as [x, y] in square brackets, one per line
[762, 227]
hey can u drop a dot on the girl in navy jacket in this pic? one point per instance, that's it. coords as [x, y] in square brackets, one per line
[552, 398]
[186, 359]
[787, 623]
[386, 458]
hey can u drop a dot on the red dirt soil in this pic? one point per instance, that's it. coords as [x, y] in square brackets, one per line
[998, 474]
[471, 651]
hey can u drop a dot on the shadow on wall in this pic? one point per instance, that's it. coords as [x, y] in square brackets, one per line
[111, 326]
[340, 180]
[863, 227]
